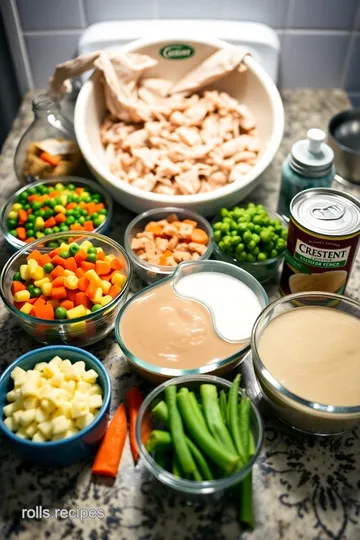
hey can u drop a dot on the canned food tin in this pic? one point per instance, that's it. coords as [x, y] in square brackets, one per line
[322, 241]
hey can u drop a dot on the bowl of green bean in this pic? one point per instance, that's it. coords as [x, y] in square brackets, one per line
[252, 238]
[200, 436]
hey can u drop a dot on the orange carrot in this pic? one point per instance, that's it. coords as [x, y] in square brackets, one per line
[91, 208]
[80, 256]
[108, 457]
[99, 206]
[168, 253]
[76, 227]
[58, 293]
[50, 222]
[88, 226]
[17, 286]
[54, 252]
[79, 190]
[32, 198]
[199, 236]
[100, 255]
[58, 271]
[55, 303]
[82, 299]
[71, 295]
[70, 264]
[85, 265]
[116, 264]
[67, 304]
[156, 229]
[40, 302]
[22, 215]
[107, 277]
[70, 206]
[134, 400]
[19, 305]
[44, 259]
[83, 283]
[43, 312]
[91, 290]
[79, 273]
[53, 160]
[58, 260]
[31, 301]
[114, 291]
[102, 267]
[60, 218]
[36, 255]
[21, 233]
[162, 260]
[31, 239]
[58, 281]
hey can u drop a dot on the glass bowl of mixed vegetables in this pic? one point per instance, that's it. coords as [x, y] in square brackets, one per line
[160, 239]
[252, 238]
[52, 206]
[200, 436]
[71, 293]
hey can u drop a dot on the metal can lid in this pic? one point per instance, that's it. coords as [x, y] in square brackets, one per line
[326, 211]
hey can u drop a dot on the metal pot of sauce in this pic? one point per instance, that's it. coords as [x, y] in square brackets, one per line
[344, 139]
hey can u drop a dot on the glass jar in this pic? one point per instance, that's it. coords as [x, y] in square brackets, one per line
[48, 147]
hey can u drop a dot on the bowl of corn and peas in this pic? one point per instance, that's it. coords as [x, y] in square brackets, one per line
[251, 238]
[52, 206]
[39, 279]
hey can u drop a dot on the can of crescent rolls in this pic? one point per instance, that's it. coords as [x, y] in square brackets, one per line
[322, 242]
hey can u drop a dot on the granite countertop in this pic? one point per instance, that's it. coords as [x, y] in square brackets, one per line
[304, 487]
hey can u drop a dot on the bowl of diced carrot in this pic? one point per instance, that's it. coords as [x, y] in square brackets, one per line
[68, 294]
[47, 207]
[158, 240]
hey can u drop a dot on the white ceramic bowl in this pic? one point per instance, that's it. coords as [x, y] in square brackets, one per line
[253, 88]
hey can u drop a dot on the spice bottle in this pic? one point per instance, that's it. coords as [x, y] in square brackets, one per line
[309, 165]
[48, 147]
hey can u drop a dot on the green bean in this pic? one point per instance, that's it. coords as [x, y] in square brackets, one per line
[223, 405]
[177, 432]
[252, 447]
[221, 456]
[158, 439]
[161, 412]
[197, 410]
[176, 467]
[233, 417]
[200, 460]
[213, 416]
[246, 514]
[244, 419]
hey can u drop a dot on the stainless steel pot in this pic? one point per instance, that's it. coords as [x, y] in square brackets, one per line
[344, 139]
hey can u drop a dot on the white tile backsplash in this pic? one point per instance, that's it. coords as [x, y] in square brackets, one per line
[323, 14]
[47, 50]
[49, 14]
[195, 9]
[271, 12]
[313, 60]
[318, 43]
[113, 10]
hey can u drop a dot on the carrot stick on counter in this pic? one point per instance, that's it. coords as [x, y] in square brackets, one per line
[134, 400]
[109, 454]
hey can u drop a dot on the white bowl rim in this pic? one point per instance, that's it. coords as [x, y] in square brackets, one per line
[264, 161]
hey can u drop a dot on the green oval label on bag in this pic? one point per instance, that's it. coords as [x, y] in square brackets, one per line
[177, 51]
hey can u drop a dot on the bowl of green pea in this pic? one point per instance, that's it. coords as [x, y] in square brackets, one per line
[56, 205]
[252, 238]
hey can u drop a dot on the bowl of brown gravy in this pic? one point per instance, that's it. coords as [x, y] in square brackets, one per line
[306, 356]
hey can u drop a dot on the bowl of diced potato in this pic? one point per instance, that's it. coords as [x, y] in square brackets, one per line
[54, 405]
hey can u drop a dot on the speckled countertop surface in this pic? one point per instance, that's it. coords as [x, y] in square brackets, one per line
[304, 487]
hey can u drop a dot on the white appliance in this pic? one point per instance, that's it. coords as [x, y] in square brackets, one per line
[261, 40]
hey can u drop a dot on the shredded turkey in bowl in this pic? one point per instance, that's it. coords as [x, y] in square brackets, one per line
[191, 144]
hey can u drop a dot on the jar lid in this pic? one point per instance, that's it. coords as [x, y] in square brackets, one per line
[312, 157]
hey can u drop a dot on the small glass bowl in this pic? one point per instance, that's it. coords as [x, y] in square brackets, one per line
[205, 491]
[81, 182]
[151, 273]
[157, 374]
[299, 413]
[65, 451]
[263, 271]
[82, 331]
